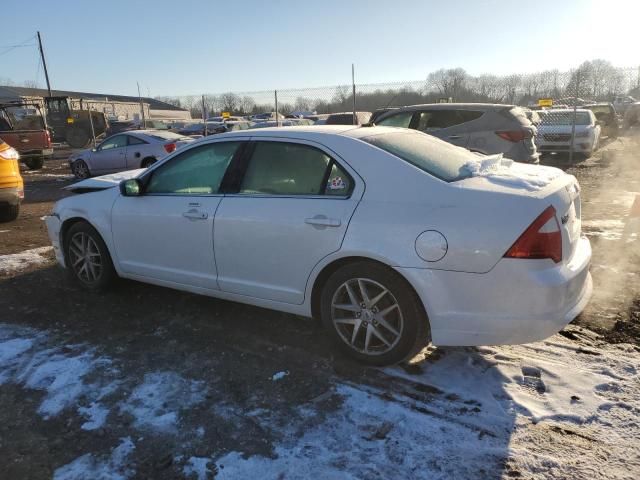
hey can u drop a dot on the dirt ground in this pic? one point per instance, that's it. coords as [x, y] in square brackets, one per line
[146, 382]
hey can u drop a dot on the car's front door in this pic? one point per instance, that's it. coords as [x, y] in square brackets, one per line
[110, 156]
[447, 125]
[292, 208]
[167, 232]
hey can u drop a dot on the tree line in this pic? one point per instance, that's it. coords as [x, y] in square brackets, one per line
[595, 80]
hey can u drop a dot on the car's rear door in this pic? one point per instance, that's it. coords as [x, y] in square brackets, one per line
[166, 234]
[293, 203]
[446, 124]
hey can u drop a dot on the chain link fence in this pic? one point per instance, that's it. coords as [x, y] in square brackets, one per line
[592, 82]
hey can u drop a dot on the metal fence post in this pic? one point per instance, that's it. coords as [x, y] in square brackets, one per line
[275, 96]
[93, 132]
[353, 84]
[575, 114]
[204, 119]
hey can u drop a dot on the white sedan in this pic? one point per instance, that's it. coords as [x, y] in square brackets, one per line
[390, 236]
[126, 151]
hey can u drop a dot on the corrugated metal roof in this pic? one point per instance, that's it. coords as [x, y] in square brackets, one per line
[7, 91]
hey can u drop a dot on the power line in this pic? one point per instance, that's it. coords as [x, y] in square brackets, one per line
[9, 48]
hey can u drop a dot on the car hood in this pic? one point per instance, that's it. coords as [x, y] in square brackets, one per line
[103, 182]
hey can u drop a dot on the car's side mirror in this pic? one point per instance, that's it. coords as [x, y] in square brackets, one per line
[131, 188]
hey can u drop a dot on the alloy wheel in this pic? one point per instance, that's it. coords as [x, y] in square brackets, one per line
[367, 316]
[85, 258]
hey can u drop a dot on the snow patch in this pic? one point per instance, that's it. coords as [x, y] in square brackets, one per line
[197, 467]
[506, 172]
[279, 375]
[154, 403]
[96, 414]
[114, 467]
[15, 262]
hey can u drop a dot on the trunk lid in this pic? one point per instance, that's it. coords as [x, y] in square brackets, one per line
[540, 185]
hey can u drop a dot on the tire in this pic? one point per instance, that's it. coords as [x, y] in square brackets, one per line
[87, 258]
[9, 213]
[80, 169]
[34, 163]
[147, 162]
[405, 326]
[77, 137]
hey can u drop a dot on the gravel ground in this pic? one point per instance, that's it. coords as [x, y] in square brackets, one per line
[146, 382]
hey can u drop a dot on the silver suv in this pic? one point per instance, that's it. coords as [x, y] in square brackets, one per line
[480, 127]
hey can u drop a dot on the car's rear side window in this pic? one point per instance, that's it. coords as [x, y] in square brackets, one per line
[292, 169]
[434, 156]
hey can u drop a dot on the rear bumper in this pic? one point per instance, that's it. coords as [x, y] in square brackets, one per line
[53, 229]
[47, 152]
[518, 301]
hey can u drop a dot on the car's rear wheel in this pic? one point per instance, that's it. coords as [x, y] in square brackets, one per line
[80, 169]
[34, 163]
[9, 213]
[373, 314]
[147, 162]
[87, 257]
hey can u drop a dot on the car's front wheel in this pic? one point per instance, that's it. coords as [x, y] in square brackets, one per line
[80, 169]
[373, 314]
[87, 257]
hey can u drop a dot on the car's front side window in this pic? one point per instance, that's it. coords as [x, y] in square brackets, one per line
[114, 142]
[280, 168]
[198, 171]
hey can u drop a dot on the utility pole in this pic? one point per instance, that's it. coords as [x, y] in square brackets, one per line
[353, 84]
[575, 114]
[144, 123]
[44, 64]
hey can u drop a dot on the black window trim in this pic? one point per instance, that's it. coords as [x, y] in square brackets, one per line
[129, 144]
[239, 166]
[145, 178]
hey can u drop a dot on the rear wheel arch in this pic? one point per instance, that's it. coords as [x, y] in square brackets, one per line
[329, 269]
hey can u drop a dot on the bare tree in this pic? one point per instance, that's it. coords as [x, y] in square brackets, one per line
[449, 82]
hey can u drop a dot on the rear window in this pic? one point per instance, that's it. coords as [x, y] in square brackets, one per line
[438, 158]
[565, 118]
[166, 136]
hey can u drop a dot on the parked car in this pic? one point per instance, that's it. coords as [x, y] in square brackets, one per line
[632, 116]
[225, 119]
[480, 127]
[622, 102]
[346, 118]
[607, 118]
[390, 236]
[556, 127]
[120, 126]
[266, 116]
[23, 126]
[126, 151]
[11, 185]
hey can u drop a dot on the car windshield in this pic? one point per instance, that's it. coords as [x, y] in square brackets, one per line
[440, 159]
[162, 136]
[565, 118]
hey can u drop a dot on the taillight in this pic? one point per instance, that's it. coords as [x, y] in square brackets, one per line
[48, 137]
[170, 147]
[542, 239]
[514, 135]
[8, 153]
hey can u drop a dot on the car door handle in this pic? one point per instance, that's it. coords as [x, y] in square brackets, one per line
[195, 214]
[323, 221]
[454, 137]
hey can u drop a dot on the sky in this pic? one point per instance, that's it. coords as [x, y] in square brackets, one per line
[188, 47]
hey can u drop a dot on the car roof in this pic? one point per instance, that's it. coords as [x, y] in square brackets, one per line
[317, 132]
[457, 106]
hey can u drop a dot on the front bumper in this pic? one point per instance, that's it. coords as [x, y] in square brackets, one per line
[11, 196]
[579, 145]
[518, 301]
[53, 229]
